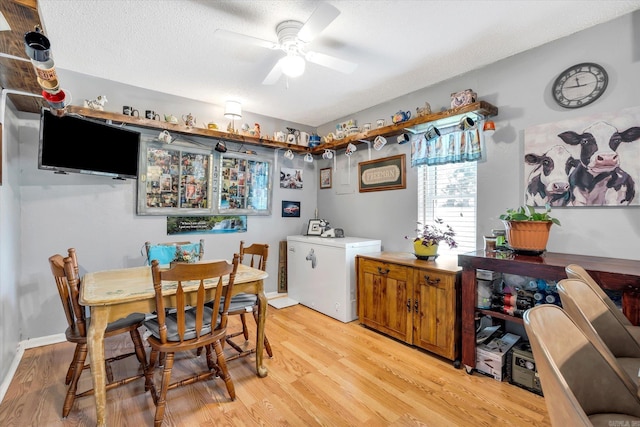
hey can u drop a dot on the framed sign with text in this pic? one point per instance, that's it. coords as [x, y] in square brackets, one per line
[388, 173]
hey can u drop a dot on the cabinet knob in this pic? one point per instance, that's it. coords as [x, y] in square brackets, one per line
[409, 305]
[416, 306]
[431, 282]
[383, 271]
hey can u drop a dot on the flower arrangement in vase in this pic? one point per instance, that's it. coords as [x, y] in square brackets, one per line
[429, 236]
[184, 255]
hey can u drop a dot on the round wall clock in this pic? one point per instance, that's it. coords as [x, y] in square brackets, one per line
[580, 85]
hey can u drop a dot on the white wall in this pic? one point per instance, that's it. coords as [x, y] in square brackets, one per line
[10, 249]
[520, 86]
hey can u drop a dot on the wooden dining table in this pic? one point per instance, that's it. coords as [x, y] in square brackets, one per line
[115, 294]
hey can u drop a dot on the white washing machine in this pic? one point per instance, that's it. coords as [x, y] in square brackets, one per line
[321, 272]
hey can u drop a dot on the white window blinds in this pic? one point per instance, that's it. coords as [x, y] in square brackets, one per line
[449, 192]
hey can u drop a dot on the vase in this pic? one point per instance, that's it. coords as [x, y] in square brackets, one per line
[424, 251]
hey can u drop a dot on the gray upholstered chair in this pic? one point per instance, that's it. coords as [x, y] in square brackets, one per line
[575, 271]
[599, 322]
[582, 386]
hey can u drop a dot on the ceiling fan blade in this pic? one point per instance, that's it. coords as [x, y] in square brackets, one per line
[318, 21]
[243, 38]
[274, 74]
[332, 62]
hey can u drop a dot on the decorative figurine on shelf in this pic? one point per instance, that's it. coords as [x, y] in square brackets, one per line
[96, 104]
[256, 130]
[189, 120]
[423, 111]
[327, 231]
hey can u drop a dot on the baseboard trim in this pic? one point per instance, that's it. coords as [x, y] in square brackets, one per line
[22, 346]
[274, 295]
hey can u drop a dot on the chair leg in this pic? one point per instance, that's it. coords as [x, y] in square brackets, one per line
[81, 351]
[267, 346]
[162, 397]
[141, 355]
[72, 366]
[222, 365]
[245, 331]
[148, 374]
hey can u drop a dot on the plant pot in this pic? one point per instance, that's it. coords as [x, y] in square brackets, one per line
[421, 250]
[528, 236]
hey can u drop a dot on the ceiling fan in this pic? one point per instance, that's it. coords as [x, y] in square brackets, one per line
[293, 38]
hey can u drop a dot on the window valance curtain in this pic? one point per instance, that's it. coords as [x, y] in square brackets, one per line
[452, 146]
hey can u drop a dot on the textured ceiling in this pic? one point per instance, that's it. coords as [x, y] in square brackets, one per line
[399, 46]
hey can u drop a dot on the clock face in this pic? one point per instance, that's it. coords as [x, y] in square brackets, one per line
[580, 85]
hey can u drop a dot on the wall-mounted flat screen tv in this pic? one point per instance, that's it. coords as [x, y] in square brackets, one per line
[75, 144]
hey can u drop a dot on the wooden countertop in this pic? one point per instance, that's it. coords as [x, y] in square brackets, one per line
[442, 262]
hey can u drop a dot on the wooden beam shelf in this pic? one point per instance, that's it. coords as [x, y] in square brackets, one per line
[183, 129]
[481, 108]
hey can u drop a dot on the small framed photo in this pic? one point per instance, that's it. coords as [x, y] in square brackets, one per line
[325, 178]
[290, 209]
[314, 228]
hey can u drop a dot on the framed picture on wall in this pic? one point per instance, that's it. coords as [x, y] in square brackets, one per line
[388, 173]
[174, 180]
[314, 228]
[325, 178]
[290, 209]
[245, 185]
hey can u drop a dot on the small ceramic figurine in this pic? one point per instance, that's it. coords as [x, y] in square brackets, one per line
[256, 130]
[189, 120]
[423, 111]
[96, 104]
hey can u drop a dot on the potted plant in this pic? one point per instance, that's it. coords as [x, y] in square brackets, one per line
[528, 230]
[429, 236]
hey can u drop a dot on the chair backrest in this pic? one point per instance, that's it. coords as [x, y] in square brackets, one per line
[255, 255]
[575, 271]
[591, 313]
[167, 252]
[65, 273]
[577, 379]
[191, 294]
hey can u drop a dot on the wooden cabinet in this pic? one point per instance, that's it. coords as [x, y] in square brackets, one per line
[434, 310]
[412, 300]
[611, 273]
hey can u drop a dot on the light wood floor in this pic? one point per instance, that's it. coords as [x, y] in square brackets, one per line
[323, 373]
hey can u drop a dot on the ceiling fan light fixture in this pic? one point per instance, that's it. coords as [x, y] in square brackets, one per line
[293, 65]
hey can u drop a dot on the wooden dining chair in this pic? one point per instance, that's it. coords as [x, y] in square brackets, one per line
[582, 386]
[242, 304]
[166, 252]
[191, 324]
[65, 273]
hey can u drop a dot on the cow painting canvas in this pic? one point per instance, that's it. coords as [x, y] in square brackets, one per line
[586, 161]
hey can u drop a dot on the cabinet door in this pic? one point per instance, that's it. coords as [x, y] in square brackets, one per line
[384, 298]
[434, 310]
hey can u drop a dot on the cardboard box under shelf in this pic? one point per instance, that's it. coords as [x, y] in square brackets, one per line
[491, 357]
